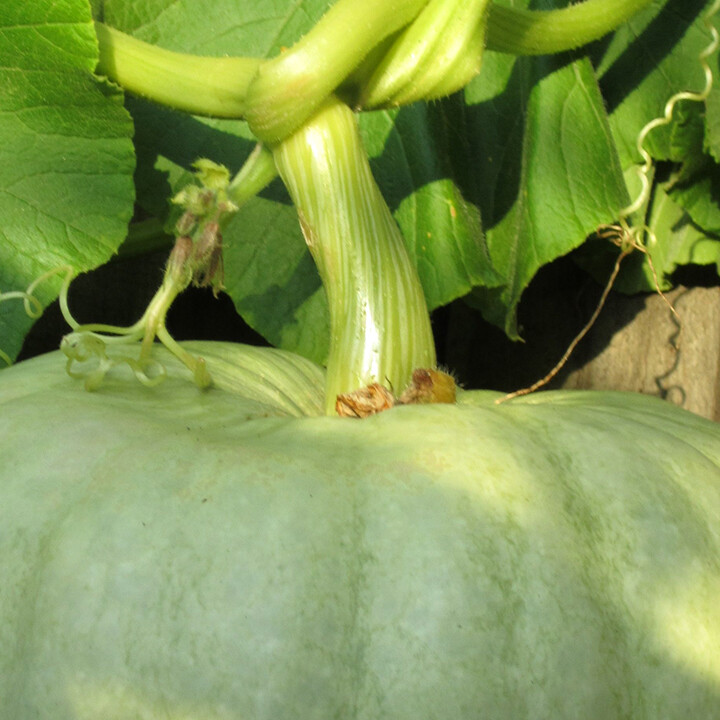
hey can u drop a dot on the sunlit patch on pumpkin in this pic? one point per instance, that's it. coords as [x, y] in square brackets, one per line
[687, 626]
[92, 700]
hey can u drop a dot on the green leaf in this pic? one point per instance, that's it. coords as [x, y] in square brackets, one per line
[682, 242]
[694, 182]
[543, 168]
[532, 167]
[700, 198]
[251, 28]
[686, 141]
[273, 280]
[66, 159]
[268, 271]
[643, 64]
[409, 152]
[712, 122]
[695, 185]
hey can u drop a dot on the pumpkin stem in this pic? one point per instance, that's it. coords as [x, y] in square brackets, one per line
[379, 322]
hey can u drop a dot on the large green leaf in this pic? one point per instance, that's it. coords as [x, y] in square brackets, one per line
[216, 27]
[66, 159]
[542, 166]
[643, 64]
[268, 272]
[696, 183]
[544, 136]
[409, 153]
[700, 198]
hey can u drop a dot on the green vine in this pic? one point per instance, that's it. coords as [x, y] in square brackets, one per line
[277, 95]
[393, 52]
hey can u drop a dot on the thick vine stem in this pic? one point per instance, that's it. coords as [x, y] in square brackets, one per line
[543, 32]
[276, 96]
[379, 323]
[197, 84]
[289, 88]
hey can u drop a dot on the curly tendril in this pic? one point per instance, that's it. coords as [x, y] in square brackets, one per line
[86, 348]
[33, 307]
[623, 234]
[86, 345]
[666, 118]
[82, 347]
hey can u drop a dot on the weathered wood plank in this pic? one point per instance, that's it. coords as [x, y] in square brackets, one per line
[641, 355]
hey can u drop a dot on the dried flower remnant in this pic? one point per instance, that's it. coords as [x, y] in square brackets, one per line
[364, 402]
[427, 386]
[208, 259]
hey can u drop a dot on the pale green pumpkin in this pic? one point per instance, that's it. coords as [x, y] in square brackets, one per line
[172, 554]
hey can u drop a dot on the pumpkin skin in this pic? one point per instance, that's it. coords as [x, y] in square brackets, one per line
[173, 554]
